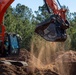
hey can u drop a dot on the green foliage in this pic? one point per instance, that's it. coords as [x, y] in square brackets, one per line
[73, 43]
[42, 14]
[72, 31]
[20, 20]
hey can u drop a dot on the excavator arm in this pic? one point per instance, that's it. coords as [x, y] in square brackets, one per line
[54, 28]
[4, 4]
[53, 5]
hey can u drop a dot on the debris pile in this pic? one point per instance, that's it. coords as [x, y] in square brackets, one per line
[64, 64]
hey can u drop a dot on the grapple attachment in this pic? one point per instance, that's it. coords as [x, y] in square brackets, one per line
[53, 29]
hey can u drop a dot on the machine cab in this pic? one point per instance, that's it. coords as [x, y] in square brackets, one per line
[11, 45]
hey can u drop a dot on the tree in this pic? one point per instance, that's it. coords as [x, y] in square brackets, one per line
[20, 20]
[42, 14]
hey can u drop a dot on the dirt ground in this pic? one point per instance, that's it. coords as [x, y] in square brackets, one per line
[64, 64]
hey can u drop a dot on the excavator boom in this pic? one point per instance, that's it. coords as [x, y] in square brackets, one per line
[53, 5]
[4, 4]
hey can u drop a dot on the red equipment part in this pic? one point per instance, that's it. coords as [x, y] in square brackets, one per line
[4, 4]
[61, 12]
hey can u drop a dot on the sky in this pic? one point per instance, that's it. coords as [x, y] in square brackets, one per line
[34, 4]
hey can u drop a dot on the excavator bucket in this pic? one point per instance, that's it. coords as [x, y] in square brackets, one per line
[51, 30]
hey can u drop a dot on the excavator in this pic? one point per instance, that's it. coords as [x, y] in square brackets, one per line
[52, 29]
